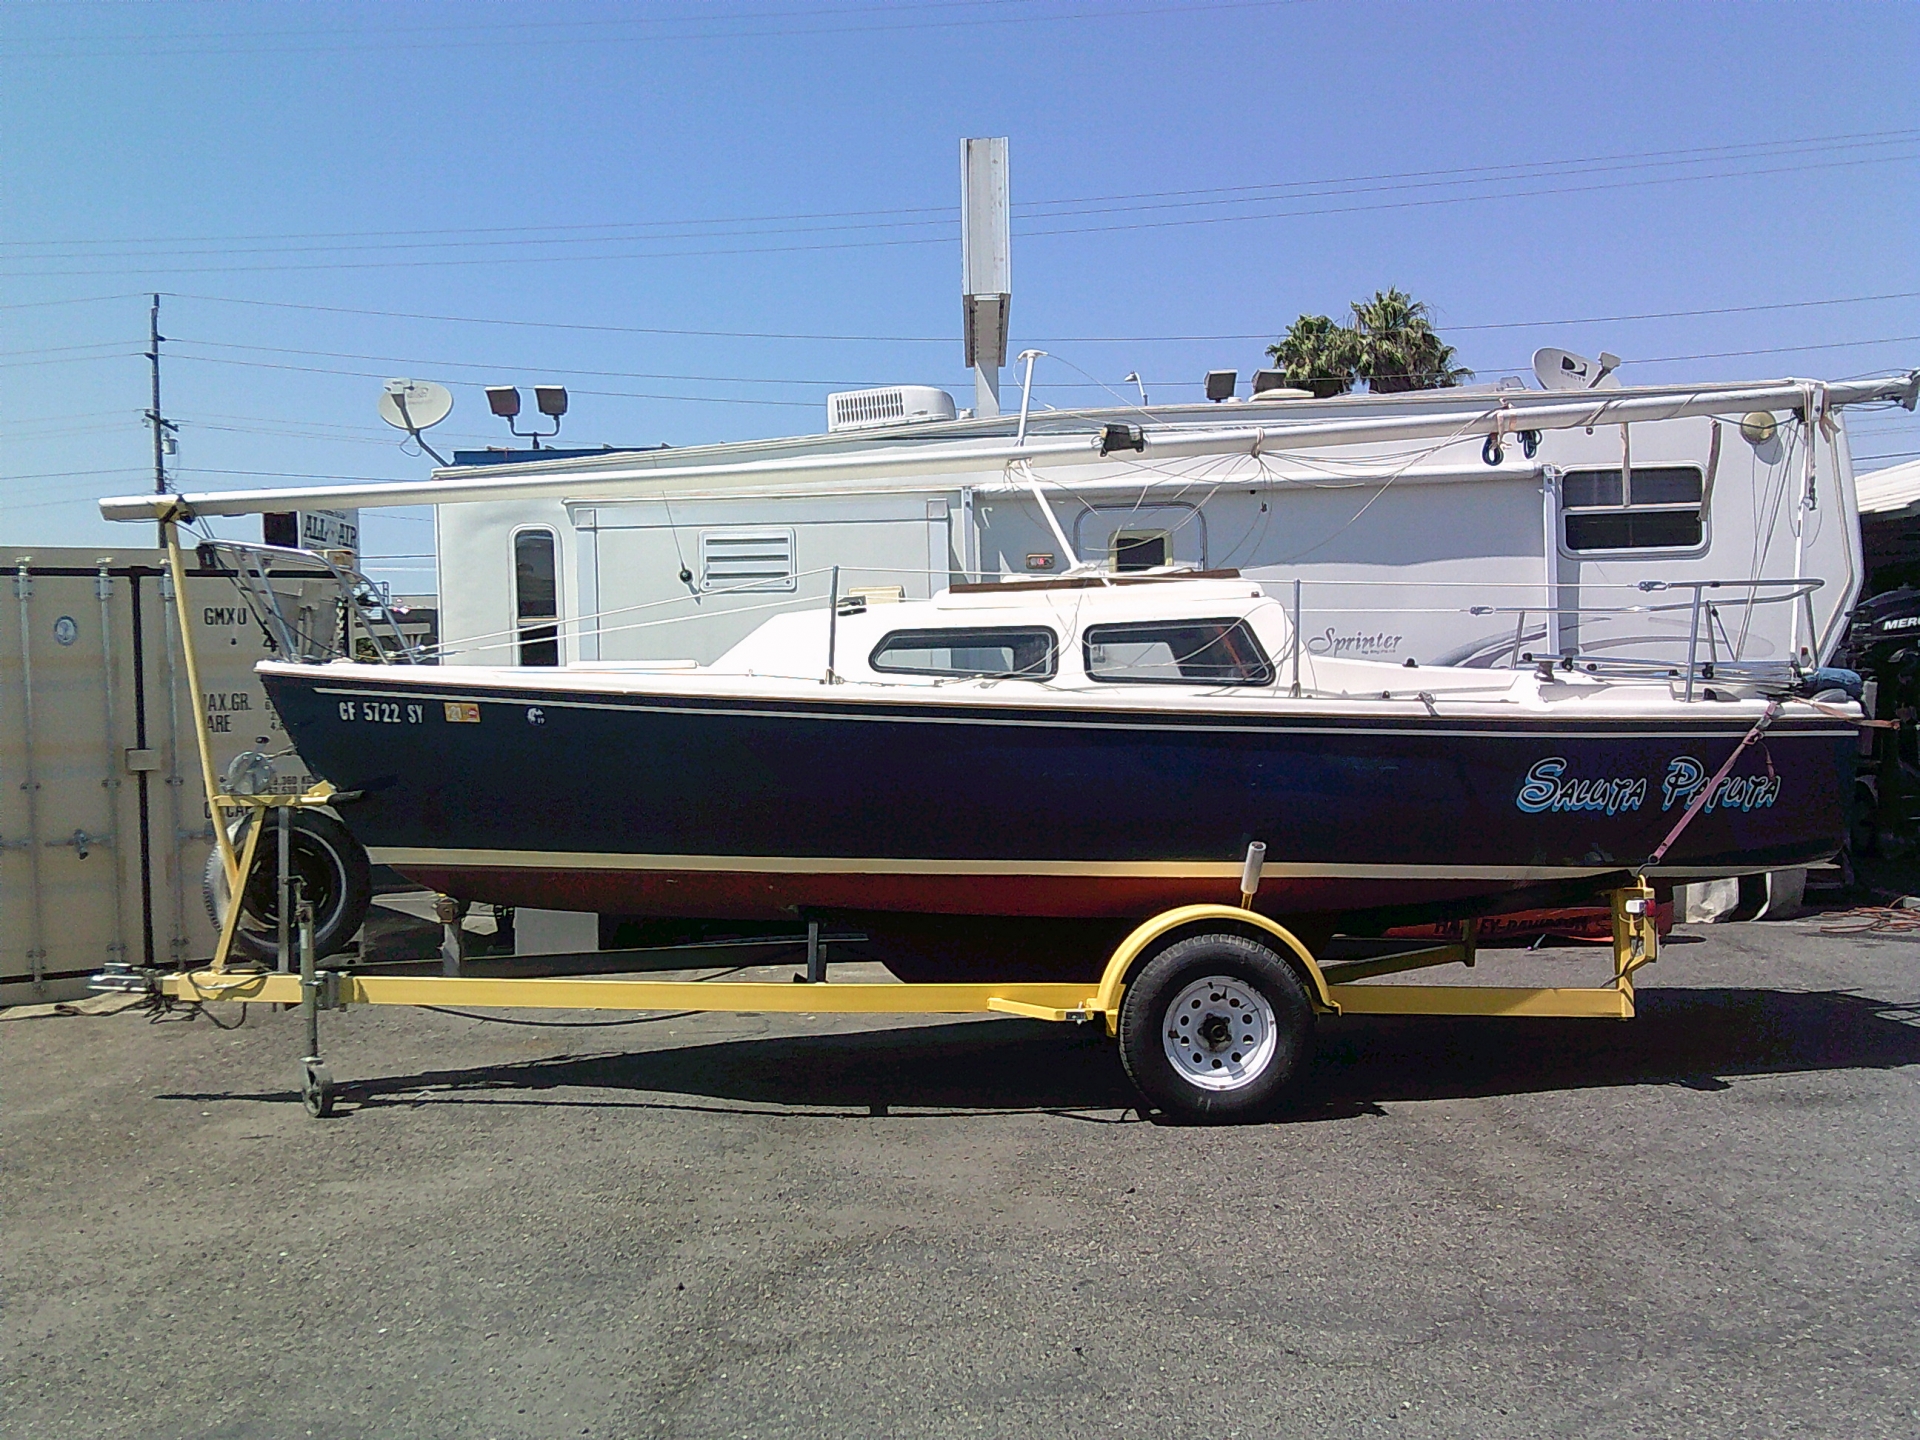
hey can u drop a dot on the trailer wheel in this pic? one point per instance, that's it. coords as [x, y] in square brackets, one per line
[339, 882]
[316, 1089]
[1215, 1028]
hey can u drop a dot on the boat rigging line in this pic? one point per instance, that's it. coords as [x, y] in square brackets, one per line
[1705, 794]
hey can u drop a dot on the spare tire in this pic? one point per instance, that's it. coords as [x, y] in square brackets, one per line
[324, 855]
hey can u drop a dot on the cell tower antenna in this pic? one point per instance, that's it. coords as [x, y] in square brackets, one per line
[986, 269]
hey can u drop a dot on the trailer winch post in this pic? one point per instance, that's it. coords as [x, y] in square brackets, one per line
[1636, 932]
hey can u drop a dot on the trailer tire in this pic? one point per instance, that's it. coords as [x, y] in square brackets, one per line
[1215, 1028]
[316, 1089]
[339, 882]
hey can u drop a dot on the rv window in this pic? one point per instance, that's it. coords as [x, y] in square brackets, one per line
[1139, 549]
[536, 597]
[1580, 488]
[1006, 654]
[1177, 652]
[1655, 507]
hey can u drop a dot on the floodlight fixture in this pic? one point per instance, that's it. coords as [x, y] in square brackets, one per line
[1221, 384]
[504, 401]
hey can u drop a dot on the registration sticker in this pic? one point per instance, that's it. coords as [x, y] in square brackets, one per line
[462, 712]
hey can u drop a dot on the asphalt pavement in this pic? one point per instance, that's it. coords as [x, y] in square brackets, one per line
[1699, 1222]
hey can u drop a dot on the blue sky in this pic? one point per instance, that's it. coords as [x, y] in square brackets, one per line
[671, 207]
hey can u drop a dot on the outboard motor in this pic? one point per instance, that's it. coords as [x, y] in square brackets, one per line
[1883, 647]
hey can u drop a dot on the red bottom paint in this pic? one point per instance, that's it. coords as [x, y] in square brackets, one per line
[1571, 922]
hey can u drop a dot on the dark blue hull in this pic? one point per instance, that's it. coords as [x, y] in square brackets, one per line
[758, 809]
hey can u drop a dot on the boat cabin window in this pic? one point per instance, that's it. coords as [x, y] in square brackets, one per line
[1140, 549]
[1007, 654]
[1654, 507]
[1177, 652]
[536, 597]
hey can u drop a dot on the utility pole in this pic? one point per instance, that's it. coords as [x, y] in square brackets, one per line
[163, 429]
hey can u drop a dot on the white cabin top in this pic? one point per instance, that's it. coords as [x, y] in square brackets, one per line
[1150, 643]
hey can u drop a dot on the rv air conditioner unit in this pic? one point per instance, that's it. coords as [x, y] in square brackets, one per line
[895, 405]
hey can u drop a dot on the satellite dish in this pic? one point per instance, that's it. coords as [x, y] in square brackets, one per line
[415, 405]
[1559, 369]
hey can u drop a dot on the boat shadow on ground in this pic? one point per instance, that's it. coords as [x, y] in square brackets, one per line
[1698, 1039]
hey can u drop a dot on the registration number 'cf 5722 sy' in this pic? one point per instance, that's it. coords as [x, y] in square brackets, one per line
[382, 712]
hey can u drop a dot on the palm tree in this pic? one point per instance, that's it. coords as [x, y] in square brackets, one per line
[1397, 349]
[1318, 355]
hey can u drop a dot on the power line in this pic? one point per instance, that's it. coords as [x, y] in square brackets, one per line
[63, 349]
[1698, 154]
[148, 48]
[1491, 171]
[810, 404]
[1689, 314]
[1043, 340]
[378, 375]
[816, 382]
[79, 415]
[531, 231]
[75, 300]
[1161, 383]
[1039, 210]
[564, 325]
[111, 427]
[1774, 350]
[272, 474]
[1447, 199]
[522, 366]
[901, 242]
[64, 474]
[287, 431]
[550, 25]
[70, 359]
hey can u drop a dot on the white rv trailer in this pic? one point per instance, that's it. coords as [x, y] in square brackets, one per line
[1486, 526]
[1428, 549]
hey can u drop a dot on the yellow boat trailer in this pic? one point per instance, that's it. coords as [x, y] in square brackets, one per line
[1239, 1014]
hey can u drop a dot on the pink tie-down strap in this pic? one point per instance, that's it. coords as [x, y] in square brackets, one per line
[1700, 800]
